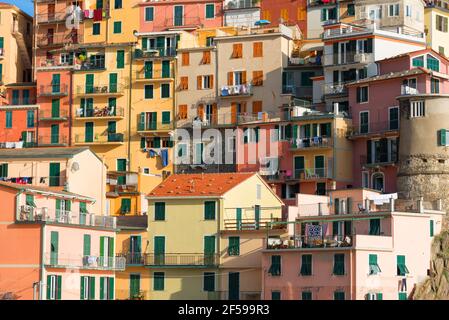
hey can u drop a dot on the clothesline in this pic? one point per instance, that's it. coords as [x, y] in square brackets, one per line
[11, 145]
[163, 153]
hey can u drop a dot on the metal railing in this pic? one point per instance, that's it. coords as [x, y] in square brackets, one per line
[128, 295]
[181, 259]
[241, 4]
[379, 159]
[407, 90]
[53, 90]
[20, 101]
[311, 61]
[154, 74]
[133, 258]
[100, 89]
[97, 138]
[92, 65]
[373, 128]
[311, 173]
[59, 40]
[335, 88]
[100, 112]
[52, 62]
[50, 17]
[236, 90]
[53, 115]
[349, 57]
[154, 126]
[334, 241]
[64, 260]
[154, 52]
[349, 30]
[183, 21]
[251, 224]
[52, 139]
[313, 142]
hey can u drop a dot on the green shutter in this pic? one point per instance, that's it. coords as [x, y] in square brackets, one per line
[48, 287]
[402, 269]
[120, 59]
[112, 126]
[148, 69]
[210, 11]
[54, 139]
[443, 140]
[112, 83]
[82, 288]
[89, 132]
[402, 296]
[89, 83]
[209, 250]
[29, 200]
[159, 211]
[165, 117]
[148, 91]
[149, 14]
[55, 108]
[111, 246]
[102, 238]
[134, 285]
[209, 210]
[238, 214]
[306, 265]
[91, 288]
[158, 281]
[339, 264]
[56, 83]
[159, 250]
[111, 288]
[117, 27]
[431, 228]
[8, 119]
[144, 43]
[209, 281]
[166, 69]
[234, 246]
[86, 245]
[295, 134]
[143, 143]
[2, 42]
[59, 287]
[153, 124]
[30, 119]
[125, 205]
[275, 268]
[54, 247]
[379, 296]
[102, 288]
[156, 142]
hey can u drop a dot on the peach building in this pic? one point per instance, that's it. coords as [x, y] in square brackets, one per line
[54, 247]
[356, 244]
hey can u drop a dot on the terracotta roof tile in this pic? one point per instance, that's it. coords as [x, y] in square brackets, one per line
[200, 185]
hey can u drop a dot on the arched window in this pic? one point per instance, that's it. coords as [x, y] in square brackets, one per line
[378, 181]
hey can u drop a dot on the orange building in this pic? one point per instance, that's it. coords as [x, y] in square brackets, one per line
[288, 12]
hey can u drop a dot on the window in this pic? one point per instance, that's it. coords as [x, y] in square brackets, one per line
[365, 179]
[306, 265]
[166, 119]
[393, 118]
[402, 269]
[339, 295]
[373, 266]
[165, 90]
[306, 80]
[432, 229]
[374, 296]
[54, 286]
[258, 78]
[441, 23]
[287, 82]
[434, 85]
[185, 60]
[339, 264]
[148, 89]
[205, 82]
[374, 227]
[118, 4]
[275, 295]
[209, 281]
[275, 268]
[417, 109]
[209, 210]
[149, 13]
[182, 111]
[96, 29]
[159, 211]
[3, 170]
[328, 14]
[433, 63]
[364, 122]
[362, 94]
[209, 41]
[87, 291]
[30, 119]
[393, 10]
[237, 50]
[443, 137]
[158, 281]
[210, 11]
[8, 119]
[117, 27]
[408, 10]
[184, 85]
[441, 50]
[234, 246]
[418, 62]
[206, 57]
[125, 206]
[402, 296]
[351, 9]
[106, 288]
[257, 49]
[120, 59]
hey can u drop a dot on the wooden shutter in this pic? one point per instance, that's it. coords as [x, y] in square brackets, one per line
[258, 78]
[230, 78]
[184, 83]
[233, 112]
[214, 113]
[206, 57]
[185, 58]
[244, 77]
[182, 111]
[198, 82]
[200, 111]
[257, 49]
[211, 81]
[257, 107]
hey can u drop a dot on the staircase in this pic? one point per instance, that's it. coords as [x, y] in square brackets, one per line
[23, 50]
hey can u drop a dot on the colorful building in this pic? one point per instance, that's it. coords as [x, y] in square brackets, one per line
[359, 244]
[238, 13]
[54, 247]
[436, 15]
[218, 256]
[286, 12]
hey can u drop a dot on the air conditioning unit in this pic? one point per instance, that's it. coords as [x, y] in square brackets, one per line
[360, 57]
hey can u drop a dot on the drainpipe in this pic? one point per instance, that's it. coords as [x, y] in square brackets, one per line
[70, 107]
[129, 105]
[41, 265]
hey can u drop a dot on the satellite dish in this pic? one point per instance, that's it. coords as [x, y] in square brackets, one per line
[75, 166]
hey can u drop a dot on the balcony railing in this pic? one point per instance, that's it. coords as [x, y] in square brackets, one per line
[313, 142]
[348, 58]
[179, 22]
[311, 173]
[98, 64]
[241, 4]
[133, 258]
[53, 139]
[251, 224]
[99, 139]
[155, 52]
[380, 159]
[236, 90]
[154, 74]
[106, 112]
[155, 126]
[53, 90]
[240, 295]
[26, 213]
[59, 40]
[407, 90]
[311, 61]
[337, 241]
[182, 259]
[20, 102]
[106, 89]
[313, 3]
[335, 88]
[52, 63]
[50, 17]
[128, 295]
[68, 260]
[50, 115]
[373, 128]
[347, 30]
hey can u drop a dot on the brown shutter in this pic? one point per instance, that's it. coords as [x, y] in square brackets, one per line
[244, 107]
[198, 82]
[214, 113]
[200, 111]
[233, 112]
[230, 78]
[257, 107]
[185, 59]
[182, 113]
[244, 77]
[211, 77]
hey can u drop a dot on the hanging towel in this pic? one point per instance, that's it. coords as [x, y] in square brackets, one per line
[152, 153]
[98, 15]
[164, 157]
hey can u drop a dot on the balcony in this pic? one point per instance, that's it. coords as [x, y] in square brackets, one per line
[407, 90]
[242, 4]
[344, 31]
[53, 115]
[52, 63]
[48, 17]
[305, 62]
[156, 52]
[182, 260]
[311, 143]
[335, 89]
[53, 90]
[122, 182]
[155, 126]
[107, 139]
[105, 113]
[335, 59]
[109, 90]
[133, 259]
[314, 3]
[179, 22]
[21, 102]
[307, 242]
[128, 295]
[68, 260]
[240, 90]
[94, 64]
[154, 75]
[374, 128]
[58, 40]
[380, 160]
[51, 140]
[251, 224]
[27, 213]
[312, 174]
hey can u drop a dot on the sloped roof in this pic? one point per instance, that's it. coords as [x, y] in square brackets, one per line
[390, 75]
[198, 185]
[41, 152]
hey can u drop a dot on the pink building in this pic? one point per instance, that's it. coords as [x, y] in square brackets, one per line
[52, 247]
[357, 244]
[180, 14]
[375, 132]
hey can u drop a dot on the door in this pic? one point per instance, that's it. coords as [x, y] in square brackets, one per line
[166, 69]
[159, 250]
[148, 69]
[89, 132]
[89, 83]
[299, 167]
[178, 15]
[56, 83]
[113, 82]
[15, 97]
[160, 45]
[234, 285]
[121, 167]
[238, 214]
[320, 169]
[26, 96]
[112, 129]
[55, 172]
[135, 250]
[134, 286]
[54, 244]
[209, 250]
[55, 109]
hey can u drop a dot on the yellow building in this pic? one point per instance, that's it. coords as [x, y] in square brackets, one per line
[133, 283]
[436, 18]
[16, 29]
[206, 235]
